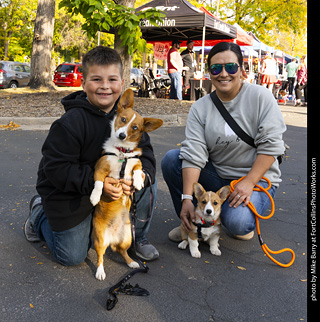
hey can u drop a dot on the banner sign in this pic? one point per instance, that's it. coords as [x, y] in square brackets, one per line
[161, 50]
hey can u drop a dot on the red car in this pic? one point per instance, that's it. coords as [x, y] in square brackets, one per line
[68, 74]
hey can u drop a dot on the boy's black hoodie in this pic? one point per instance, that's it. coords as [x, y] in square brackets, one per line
[70, 151]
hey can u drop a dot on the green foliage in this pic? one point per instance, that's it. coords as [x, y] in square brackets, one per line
[105, 14]
[16, 27]
[269, 20]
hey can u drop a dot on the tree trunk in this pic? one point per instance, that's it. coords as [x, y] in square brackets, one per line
[123, 51]
[42, 45]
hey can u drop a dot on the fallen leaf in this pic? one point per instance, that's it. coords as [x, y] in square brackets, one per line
[241, 268]
[31, 305]
[207, 262]
[40, 263]
[305, 280]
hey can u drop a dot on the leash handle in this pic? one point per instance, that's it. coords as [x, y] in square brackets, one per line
[264, 247]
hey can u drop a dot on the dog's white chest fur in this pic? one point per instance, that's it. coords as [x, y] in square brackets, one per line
[208, 232]
[116, 165]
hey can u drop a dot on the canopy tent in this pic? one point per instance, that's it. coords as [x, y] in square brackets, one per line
[184, 21]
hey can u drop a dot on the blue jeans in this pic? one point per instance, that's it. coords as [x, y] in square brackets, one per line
[70, 247]
[176, 86]
[238, 221]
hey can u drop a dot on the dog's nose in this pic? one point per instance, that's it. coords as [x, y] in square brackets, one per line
[122, 136]
[209, 211]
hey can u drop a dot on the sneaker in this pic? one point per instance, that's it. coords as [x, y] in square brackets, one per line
[146, 251]
[245, 237]
[30, 234]
[175, 235]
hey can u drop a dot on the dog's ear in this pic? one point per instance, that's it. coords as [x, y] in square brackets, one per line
[151, 124]
[126, 100]
[223, 193]
[198, 190]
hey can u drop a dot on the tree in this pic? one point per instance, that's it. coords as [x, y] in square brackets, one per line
[105, 14]
[42, 45]
[267, 19]
[15, 19]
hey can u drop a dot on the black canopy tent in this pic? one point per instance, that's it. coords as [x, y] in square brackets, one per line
[184, 21]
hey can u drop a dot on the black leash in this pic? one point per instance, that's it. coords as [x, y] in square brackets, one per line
[121, 287]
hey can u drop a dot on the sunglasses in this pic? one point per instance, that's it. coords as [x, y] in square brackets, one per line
[231, 68]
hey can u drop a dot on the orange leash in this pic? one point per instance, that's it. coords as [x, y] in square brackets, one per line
[264, 247]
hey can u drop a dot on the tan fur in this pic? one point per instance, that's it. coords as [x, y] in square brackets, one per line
[111, 222]
[209, 208]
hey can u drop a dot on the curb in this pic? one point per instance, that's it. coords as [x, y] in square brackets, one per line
[44, 123]
[296, 116]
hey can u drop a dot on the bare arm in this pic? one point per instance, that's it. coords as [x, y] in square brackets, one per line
[189, 177]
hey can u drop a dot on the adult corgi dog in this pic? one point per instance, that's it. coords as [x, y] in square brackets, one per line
[207, 224]
[120, 159]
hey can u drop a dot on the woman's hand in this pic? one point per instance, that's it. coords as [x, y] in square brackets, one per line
[187, 214]
[241, 194]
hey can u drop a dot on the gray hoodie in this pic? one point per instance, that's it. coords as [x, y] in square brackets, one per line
[209, 137]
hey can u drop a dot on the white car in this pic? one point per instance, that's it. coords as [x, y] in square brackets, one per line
[161, 73]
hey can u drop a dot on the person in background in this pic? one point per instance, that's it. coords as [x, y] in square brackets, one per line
[268, 71]
[292, 72]
[301, 81]
[188, 61]
[175, 66]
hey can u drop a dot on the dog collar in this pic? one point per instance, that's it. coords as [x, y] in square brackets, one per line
[123, 150]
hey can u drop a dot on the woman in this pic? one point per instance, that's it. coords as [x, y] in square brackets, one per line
[301, 82]
[213, 155]
[268, 71]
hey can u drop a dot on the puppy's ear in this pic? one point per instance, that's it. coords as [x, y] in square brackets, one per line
[151, 124]
[223, 193]
[126, 100]
[198, 190]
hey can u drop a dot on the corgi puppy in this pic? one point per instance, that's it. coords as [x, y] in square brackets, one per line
[207, 224]
[120, 159]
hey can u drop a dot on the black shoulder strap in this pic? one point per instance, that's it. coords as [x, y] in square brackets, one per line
[229, 119]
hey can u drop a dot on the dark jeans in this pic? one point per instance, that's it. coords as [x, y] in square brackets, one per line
[238, 221]
[298, 91]
[291, 81]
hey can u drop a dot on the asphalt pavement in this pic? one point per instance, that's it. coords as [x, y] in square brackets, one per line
[240, 285]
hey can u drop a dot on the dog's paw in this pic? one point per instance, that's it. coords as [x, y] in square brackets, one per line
[183, 244]
[138, 182]
[215, 251]
[100, 274]
[96, 192]
[94, 198]
[195, 253]
[133, 265]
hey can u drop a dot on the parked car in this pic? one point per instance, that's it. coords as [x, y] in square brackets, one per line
[162, 73]
[136, 76]
[68, 74]
[14, 74]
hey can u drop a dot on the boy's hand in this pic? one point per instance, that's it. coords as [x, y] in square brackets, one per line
[127, 186]
[112, 188]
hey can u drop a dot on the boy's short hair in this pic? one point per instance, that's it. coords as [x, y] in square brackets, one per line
[101, 55]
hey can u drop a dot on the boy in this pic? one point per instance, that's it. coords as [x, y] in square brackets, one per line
[62, 214]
